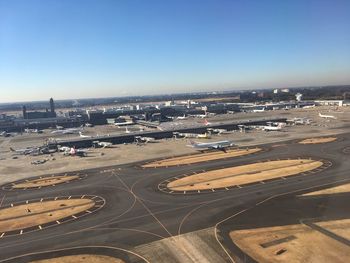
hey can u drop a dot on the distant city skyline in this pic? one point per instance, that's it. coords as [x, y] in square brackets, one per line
[93, 49]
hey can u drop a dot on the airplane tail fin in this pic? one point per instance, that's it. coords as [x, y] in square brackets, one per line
[193, 143]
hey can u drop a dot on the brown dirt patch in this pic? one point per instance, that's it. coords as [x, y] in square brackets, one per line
[318, 140]
[38, 213]
[244, 174]
[344, 188]
[45, 181]
[197, 158]
[308, 246]
[84, 258]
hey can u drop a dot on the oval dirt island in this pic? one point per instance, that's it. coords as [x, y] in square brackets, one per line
[83, 258]
[318, 140]
[244, 174]
[201, 157]
[24, 216]
[42, 182]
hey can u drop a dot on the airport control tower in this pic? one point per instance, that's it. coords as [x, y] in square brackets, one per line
[52, 105]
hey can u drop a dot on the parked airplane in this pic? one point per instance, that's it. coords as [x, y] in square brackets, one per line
[219, 145]
[67, 131]
[274, 128]
[84, 136]
[191, 135]
[64, 149]
[33, 131]
[26, 151]
[205, 115]
[119, 124]
[203, 136]
[327, 116]
[299, 121]
[127, 130]
[105, 144]
[184, 117]
[218, 131]
[259, 110]
[98, 144]
[5, 134]
[184, 135]
[309, 106]
[142, 139]
[76, 152]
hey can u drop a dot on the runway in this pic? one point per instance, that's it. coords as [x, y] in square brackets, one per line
[137, 214]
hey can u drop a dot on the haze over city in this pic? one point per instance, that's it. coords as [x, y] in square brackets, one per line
[84, 49]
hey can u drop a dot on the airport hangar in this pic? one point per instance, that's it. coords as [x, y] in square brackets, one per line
[126, 210]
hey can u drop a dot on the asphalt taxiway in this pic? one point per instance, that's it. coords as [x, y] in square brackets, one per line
[137, 216]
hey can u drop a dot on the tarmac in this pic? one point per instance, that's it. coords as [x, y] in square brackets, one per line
[140, 223]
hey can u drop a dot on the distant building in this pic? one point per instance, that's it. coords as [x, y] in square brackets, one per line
[40, 114]
[339, 103]
[52, 105]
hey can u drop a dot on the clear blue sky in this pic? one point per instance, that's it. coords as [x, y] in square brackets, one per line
[100, 48]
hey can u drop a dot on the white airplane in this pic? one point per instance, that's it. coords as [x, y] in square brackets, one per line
[184, 117]
[105, 144]
[219, 145]
[274, 128]
[219, 131]
[327, 116]
[4, 134]
[84, 136]
[127, 130]
[67, 131]
[309, 106]
[141, 139]
[33, 131]
[76, 152]
[203, 136]
[259, 110]
[205, 115]
[300, 121]
[64, 149]
[25, 151]
[119, 124]
[184, 135]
